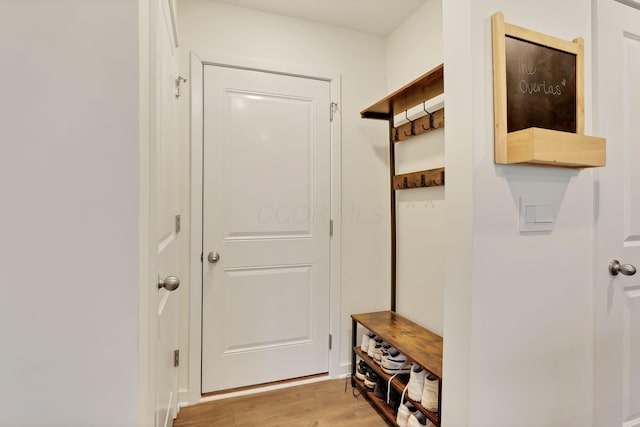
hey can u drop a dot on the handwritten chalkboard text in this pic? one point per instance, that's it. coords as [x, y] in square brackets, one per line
[541, 86]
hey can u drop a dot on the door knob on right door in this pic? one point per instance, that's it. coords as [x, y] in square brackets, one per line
[615, 267]
[170, 283]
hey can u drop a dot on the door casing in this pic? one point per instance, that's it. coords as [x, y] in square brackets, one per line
[197, 61]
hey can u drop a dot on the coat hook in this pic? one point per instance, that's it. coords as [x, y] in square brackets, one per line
[422, 181]
[405, 184]
[430, 119]
[179, 81]
[413, 129]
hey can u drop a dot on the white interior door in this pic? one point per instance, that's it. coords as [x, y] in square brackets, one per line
[167, 203]
[266, 204]
[617, 298]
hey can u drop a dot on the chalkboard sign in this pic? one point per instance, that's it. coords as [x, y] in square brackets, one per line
[538, 87]
[541, 86]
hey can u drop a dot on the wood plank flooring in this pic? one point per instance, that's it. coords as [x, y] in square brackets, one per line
[321, 404]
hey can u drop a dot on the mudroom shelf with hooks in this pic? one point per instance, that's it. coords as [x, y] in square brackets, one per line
[422, 104]
[412, 110]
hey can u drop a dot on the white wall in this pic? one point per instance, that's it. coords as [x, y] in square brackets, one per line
[414, 48]
[207, 26]
[69, 186]
[525, 341]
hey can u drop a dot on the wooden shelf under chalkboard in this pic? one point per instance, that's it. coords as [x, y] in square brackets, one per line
[538, 92]
[425, 178]
[544, 147]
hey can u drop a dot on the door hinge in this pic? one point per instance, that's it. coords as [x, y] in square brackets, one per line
[176, 357]
[178, 223]
[330, 341]
[201, 256]
[330, 227]
[333, 107]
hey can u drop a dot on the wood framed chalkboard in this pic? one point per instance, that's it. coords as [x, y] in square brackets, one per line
[541, 86]
[538, 83]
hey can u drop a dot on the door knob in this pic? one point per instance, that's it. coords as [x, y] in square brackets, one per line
[615, 267]
[170, 283]
[213, 257]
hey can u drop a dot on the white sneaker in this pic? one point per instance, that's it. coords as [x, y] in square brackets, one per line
[377, 353]
[430, 394]
[372, 346]
[418, 419]
[416, 382]
[404, 412]
[366, 339]
[395, 362]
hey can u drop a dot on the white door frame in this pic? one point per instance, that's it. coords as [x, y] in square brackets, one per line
[149, 10]
[197, 62]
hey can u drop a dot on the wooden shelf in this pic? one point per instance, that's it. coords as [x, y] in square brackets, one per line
[544, 147]
[398, 383]
[419, 344]
[425, 87]
[425, 178]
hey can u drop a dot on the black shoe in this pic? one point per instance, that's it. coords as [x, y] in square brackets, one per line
[394, 399]
[361, 372]
[381, 389]
[370, 380]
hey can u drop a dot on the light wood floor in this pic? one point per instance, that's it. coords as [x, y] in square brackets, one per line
[321, 404]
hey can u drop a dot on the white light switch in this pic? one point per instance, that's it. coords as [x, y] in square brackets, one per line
[544, 214]
[536, 213]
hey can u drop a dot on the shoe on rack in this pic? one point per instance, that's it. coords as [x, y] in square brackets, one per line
[372, 346]
[385, 348]
[405, 409]
[377, 353]
[361, 372]
[380, 389]
[418, 419]
[416, 382]
[430, 394]
[366, 339]
[370, 380]
[393, 398]
[395, 363]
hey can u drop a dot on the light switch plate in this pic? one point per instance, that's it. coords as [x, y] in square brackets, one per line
[536, 214]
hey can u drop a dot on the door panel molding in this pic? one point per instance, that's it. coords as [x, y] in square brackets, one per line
[632, 3]
[197, 61]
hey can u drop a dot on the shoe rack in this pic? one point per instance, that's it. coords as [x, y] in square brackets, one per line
[417, 343]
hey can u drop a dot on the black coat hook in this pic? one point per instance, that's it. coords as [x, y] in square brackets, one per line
[430, 119]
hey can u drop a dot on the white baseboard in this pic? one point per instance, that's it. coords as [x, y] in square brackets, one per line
[344, 370]
[264, 389]
[183, 398]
